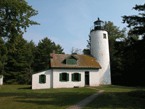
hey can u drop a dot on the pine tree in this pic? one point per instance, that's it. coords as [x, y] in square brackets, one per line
[31, 48]
[17, 64]
[42, 54]
[136, 22]
[3, 56]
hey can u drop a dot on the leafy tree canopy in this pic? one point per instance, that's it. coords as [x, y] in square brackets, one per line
[113, 31]
[136, 21]
[14, 15]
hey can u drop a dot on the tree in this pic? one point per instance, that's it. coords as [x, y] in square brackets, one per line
[3, 56]
[113, 31]
[136, 21]
[89, 43]
[14, 16]
[58, 49]
[18, 62]
[75, 51]
[31, 49]
[134, 51]
[42, 54]
[86, 52]
[72, 50]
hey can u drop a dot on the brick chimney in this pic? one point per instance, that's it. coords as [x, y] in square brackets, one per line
[53, 54]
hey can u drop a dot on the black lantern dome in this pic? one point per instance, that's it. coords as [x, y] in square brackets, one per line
[98, 25]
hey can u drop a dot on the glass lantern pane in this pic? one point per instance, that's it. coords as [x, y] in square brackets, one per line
[102, 23]
[98, 23]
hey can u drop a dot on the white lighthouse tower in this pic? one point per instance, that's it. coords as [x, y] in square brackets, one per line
[100, 50]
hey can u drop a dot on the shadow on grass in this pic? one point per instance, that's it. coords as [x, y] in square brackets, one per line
[55, 99]
[62, 98]
[25, 88]
[118, 86]
[119, 100]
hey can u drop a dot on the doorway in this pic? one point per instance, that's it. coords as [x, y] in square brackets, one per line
[86, 77]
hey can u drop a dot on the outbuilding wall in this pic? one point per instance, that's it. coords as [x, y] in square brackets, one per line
[47, 85]
[1, 80]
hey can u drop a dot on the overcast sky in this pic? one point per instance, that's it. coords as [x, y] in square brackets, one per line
[68, 22]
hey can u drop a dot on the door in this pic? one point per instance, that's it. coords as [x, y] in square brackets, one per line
[86, 78]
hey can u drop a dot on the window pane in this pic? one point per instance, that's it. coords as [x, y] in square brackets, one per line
[42, 78]
[76, 77]
[104, 35]
[64, 76]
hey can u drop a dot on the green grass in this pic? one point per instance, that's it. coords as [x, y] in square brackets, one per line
[114, 97]
[22, 97]
[119, 97]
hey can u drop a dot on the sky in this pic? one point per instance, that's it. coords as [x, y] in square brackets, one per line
[68, 22]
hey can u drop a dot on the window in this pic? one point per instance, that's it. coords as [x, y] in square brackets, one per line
[71, 61]
[104, 36]
[42, 78]
[76, 77]
[64, 77]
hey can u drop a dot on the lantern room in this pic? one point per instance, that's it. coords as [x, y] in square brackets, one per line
[98, 25]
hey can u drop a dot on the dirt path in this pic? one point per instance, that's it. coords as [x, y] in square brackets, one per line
[86, 101]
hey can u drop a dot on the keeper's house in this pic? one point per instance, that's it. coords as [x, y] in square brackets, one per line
[68, 71]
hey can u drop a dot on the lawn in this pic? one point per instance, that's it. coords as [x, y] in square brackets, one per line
[116, 97]
[22, 97]
[119, 97]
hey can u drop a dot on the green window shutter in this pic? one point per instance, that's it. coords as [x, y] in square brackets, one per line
[67, 77]
[60, 77]
[72, 77]
[44, 78]
[79, 77]
[39, 78]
